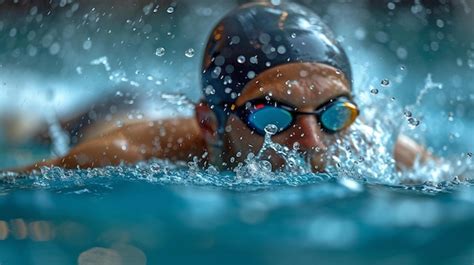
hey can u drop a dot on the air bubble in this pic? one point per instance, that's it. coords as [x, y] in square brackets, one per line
[374, 91]
[170, 10]
[385, 82]
[408, 113]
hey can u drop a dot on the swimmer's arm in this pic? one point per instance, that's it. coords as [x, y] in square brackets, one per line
[407, 151]
[177, 139]
[99, 152]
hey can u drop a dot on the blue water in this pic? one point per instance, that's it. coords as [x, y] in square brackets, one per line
[217, 219]
[363, 212]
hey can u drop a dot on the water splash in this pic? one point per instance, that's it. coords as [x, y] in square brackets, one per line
[363, 154]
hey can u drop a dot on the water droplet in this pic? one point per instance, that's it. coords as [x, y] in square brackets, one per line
[254, 59]
[251, 74]
[54, 48]
[439, 23]
[374, 91]
[129, 101]
[241, 59]
[450, 116]
[87, 44]
[281, 49]
[413, 122]
[276, 2]
[235, 40]
[170, 10]
[189, 53]
[296, 146]
[271, 129]
[265, 166]
[146, 9]
[160, 51]
[385, 82]
[209, 90]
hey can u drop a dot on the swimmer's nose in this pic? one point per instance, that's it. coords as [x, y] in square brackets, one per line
[308, 134]
[310, 138]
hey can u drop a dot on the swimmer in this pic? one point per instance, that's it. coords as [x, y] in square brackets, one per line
[263, 64]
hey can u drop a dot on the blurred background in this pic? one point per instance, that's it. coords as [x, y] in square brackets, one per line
[59, 57]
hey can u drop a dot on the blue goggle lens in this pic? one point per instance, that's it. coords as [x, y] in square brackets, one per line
[264, 116]
[338, 116]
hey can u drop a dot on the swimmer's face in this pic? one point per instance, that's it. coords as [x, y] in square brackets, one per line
[305, 86]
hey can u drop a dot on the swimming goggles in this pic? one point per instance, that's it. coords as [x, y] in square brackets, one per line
[333, 116]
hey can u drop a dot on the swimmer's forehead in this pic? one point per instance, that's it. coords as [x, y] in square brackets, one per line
[303, 85]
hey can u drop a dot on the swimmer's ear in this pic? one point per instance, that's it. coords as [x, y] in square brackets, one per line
[207, 121]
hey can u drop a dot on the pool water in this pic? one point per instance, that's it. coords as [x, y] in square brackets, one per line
[164, 214]
[362, 211]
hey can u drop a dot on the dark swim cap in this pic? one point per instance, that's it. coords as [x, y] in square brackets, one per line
[256, 37]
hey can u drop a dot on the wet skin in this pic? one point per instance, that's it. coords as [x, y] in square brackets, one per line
[312, 84]
[305, 86]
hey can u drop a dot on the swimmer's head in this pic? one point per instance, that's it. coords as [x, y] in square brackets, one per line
[261, 53]
[256, 37]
